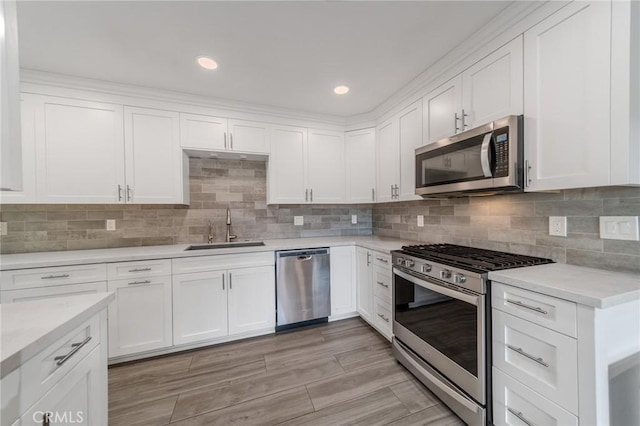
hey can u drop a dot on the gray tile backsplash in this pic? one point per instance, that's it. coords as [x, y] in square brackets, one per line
[516, 223]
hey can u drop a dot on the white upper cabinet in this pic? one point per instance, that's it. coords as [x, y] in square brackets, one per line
[442, 110]
[153, 157]
[410, 133]
[287, 165]
[492, 88]
[248, 136]
[360, 159]
[325, 166]
[79, 150]
[208, 133]
[388, 160]
[567, 89]
[203, 132]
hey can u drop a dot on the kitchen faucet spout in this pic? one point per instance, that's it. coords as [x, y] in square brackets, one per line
[229, 235]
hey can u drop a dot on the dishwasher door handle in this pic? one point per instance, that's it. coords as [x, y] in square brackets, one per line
[305, 258]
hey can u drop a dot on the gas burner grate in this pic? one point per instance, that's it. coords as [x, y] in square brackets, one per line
[470, 257]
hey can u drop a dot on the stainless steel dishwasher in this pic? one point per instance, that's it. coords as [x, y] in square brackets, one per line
[303, 292]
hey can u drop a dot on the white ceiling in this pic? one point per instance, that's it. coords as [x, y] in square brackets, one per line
[285, 54]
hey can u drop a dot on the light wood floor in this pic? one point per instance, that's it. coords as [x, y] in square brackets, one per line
[337, 373]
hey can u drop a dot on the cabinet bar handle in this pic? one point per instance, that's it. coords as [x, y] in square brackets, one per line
[455, 122]
[531, 357]
[75, 348]
[230, 282]
[128, 193]
[463, 116]
[391, 191]
[368, 258]
[119, 192]
[231, 140]
[139, 270]
[311, 195]
[519, 415]
[383, 317]
[373, 194]
[382, 260]
[383, 284]
[49, 277]
[139, 282]
[223, 281]
[225, 140]
[306, 195]
[527, 173]
[524, 305]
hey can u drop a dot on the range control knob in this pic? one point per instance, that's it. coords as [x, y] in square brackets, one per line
[426, 268]
[400, 261]
[459, 278]
[445, 274]
[409, 263]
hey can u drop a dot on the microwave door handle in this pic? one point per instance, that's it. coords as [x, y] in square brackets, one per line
[484, 155]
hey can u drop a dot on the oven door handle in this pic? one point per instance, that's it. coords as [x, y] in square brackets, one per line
[484, 155]
[438, 288]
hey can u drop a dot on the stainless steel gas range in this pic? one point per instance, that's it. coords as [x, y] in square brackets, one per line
[442, 324]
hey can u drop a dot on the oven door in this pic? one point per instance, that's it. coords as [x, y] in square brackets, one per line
[445, 327]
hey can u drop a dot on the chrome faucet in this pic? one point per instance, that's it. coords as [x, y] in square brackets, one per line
[210, 238]
[229, 236]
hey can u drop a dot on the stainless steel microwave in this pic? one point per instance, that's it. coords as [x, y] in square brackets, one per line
[484, 160]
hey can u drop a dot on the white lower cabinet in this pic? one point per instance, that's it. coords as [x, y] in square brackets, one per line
[251, 299]
[364, 289]
[374, 289]
[140, 317]
[343, 282]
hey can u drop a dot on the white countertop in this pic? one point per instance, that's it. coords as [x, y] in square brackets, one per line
[80, 257]
[587, 286]
[24, 334]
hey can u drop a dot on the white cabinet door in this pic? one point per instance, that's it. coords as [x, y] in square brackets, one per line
[199, 306]
[80, 397]
[410, 131]
[325, 166]
[203, 132]
[387, 151]
[140, 317]
[153, 156]
[252, 299]
[364, 279]
[249, 136]
[79, 151]
[493, 88]
[343, 280]
[441, 109]
[287, 165]
[567, 98]
[360, 158]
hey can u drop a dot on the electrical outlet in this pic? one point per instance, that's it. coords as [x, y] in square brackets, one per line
[420, 221]
[3, 228]
[111, 224]
[298, 220]
[619, 228]
[558, 226]
[354, 219]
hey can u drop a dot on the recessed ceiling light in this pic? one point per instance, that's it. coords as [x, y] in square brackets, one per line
[341, 90]
[207, 63]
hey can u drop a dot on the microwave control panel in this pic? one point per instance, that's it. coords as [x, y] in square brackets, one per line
[501, 138]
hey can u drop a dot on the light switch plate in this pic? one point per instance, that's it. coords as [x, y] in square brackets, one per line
[3, 228]
[420, 221]
[558, 226]
[111, 224]
[298, 220]
[354, 219]
[619, 228]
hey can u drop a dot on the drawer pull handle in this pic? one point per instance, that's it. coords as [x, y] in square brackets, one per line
[383, 284]
[140, 270]
[523, 305]
[383, 317]
[519, 415]
[50, 277]
[531, 357]
[382, 260]
[75, 348]
[140, 282]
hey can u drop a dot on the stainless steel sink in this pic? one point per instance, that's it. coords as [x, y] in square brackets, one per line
[225, 245]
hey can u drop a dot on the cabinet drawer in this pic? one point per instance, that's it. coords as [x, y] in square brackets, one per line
[382, 285]
[382, 316]
[43, 371]
[382, 260]
[542, 359]
[547, 311]
[188, 265]
[45, 277]
[516, 404]
[145, 268]
[12, 296]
